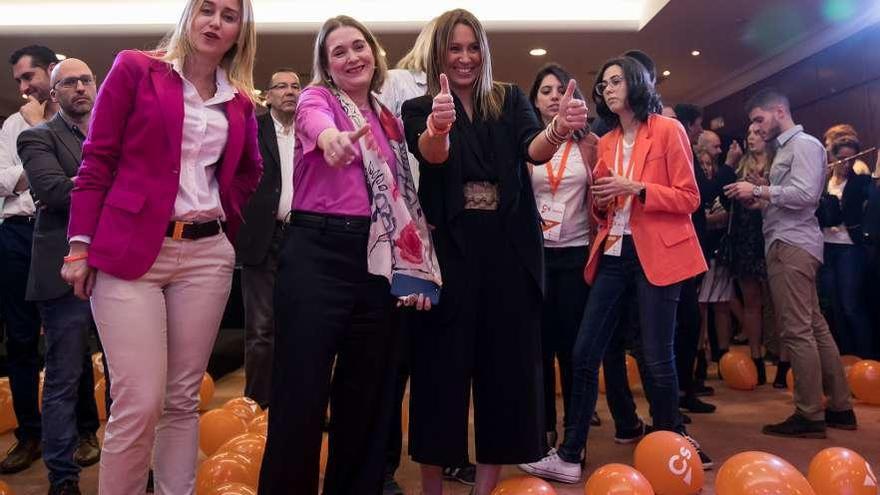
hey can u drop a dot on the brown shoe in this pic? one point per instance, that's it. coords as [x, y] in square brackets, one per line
[88, 451]
[21, 456]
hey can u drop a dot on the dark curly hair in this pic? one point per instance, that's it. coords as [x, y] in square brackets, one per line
[640, 93]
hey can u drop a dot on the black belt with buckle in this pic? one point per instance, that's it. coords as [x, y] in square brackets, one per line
[178, 230]
[337, 223]
[19, 220]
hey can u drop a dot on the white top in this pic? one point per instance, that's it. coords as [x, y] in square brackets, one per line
[285, 154]
[572, 192]
[205, 130]
[11, 203]
[401, 85]
[622, 217]
[838, 234]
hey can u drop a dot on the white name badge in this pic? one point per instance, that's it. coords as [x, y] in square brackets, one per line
[552, 214]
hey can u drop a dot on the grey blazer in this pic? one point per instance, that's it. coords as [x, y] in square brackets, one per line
[51, 154]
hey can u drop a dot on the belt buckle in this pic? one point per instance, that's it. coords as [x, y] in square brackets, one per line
[177, 233]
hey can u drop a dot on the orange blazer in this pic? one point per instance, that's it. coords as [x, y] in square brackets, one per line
[662, 231]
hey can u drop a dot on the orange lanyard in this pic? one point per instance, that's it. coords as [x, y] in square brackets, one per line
[618, 161]
[555, 180]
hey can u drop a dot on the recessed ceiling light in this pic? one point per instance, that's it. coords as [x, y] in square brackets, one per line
[666, 73]
[60, 56]
[695, 53]
[537, 52]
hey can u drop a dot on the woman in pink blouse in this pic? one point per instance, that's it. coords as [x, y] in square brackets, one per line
[356, 237]
[171, 157]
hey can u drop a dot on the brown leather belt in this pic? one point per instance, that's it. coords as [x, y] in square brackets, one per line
[178, 230]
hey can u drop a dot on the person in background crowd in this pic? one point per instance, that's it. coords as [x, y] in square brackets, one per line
[843, 276]
[259, 241]
[562, 191]
[846, 132]
[637, 205]
[50, 154]
[742, 251]
[31, 68]
[473, 137]
[357, 231]
[794, 245]
[171, 155]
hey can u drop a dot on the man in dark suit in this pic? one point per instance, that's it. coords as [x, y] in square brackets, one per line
[259, 240]
[51, 154]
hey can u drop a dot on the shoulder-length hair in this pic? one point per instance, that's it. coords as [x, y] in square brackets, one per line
[320, 61]
[641, 96]
[488, 95]
[238, 62]
[556, 70]
[416, 60]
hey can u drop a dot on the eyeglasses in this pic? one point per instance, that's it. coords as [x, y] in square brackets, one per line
[71, 82]
[285, 86]
[613, 82]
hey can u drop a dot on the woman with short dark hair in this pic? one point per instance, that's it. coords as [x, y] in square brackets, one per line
[644, 194]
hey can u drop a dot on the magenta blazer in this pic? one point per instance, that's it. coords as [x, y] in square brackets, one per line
[124, 193]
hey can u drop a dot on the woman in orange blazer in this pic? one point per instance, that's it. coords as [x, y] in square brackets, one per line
[644, 195]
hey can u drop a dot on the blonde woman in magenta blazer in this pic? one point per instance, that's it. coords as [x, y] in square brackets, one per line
[171, 157]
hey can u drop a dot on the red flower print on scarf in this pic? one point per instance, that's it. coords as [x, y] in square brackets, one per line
[409, 244]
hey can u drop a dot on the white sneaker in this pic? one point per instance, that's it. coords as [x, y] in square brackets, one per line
[554, 468]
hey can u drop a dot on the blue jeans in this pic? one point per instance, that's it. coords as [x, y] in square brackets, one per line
[842, 283]
[66, 325]
[656, 310]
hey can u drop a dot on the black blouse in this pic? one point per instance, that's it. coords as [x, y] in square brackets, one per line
[482, 150]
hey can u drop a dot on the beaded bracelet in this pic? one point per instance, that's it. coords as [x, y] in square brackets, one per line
[433, 131]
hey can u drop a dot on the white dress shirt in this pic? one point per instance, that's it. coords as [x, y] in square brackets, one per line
[401, 85]
[14, 204]
[205, 130]
[285, 154]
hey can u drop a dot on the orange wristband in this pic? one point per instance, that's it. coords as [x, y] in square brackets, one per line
[76, 257]
[433, 130]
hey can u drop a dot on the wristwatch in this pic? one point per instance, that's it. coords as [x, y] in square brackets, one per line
[758, 191]
[642, 193]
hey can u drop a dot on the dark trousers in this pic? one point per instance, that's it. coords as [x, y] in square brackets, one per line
[842, 283]
[618, 395]
[656, 309]
[257, 287]
[22, 327]
[687, 336]
[564, 300]
[69, 408]
[328, 309]
[394, 448]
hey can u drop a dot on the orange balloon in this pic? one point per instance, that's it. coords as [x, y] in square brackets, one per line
[243, 407]
[206, 392]
[5, 489]
[98, 366]
[325, 453]
[632, 371]
[220, 469]
[558, 378]
[524, 485]
[233, 489]
[789, 380]
[864, 381]
[250, 445]
[617, 479]
[260, 424]
[670, 463]
[601, 380]
[839, 471]
[216, 427]
[848, 360]
[739, 371]
[8, 420]
[760, 473]
[101, 398]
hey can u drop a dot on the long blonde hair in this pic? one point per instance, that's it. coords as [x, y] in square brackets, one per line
[416, 60]
[488, 96]
[320, 63]
[238, 62]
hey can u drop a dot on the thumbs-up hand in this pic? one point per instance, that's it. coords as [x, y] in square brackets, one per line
[572, 111]
[443, 109]
[343, 148]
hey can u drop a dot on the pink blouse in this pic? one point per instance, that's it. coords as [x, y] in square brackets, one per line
[319, 187]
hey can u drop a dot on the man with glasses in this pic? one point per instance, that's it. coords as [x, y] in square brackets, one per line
[31, 66]
[51, 155]
[259, 240]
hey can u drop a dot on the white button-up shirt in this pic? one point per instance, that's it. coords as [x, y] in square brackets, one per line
[285, 154]
[205, 129]
[12, 203]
